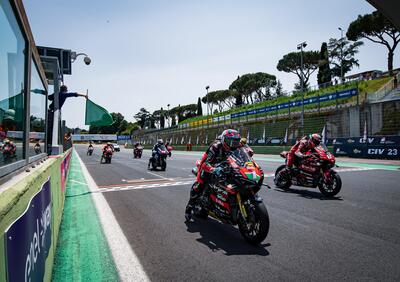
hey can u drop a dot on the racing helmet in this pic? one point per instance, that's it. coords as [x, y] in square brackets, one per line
[315, 139]
[243, 140]
[230, 139]
[160, 142]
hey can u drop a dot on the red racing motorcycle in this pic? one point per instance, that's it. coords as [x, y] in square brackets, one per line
[107, 155]
[233, 198]
[313, 171]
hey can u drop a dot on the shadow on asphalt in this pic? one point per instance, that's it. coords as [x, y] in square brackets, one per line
[308, 194]
[218, 236]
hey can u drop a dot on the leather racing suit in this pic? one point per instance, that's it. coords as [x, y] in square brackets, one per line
[299, 150]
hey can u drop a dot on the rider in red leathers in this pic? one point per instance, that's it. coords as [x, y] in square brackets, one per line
[299, 150]
[108, 145]
[217, 152]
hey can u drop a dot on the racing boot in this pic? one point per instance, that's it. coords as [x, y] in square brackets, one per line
[192, 201]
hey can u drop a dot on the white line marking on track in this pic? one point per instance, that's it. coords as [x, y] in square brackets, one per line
[144, 186]
[127, 263]
[155, 174]
[349, 169]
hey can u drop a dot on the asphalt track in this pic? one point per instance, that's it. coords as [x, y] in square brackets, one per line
[352, 237]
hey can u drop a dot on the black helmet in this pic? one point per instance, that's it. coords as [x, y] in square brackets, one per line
[63, 88]
[230, 139]
[315, 139]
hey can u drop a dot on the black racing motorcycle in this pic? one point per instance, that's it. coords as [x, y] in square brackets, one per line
[159, 158]
[233, 198]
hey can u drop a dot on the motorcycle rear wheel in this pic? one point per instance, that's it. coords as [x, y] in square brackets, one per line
[259, 227]
[282, 181]
[331, 190]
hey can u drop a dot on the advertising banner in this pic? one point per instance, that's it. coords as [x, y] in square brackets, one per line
[382, 147]
[28, 239]
[307, 101]
[123, 137]
[94, 137]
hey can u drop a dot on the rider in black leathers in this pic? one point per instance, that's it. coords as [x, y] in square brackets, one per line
[228, 141]
[160, 143]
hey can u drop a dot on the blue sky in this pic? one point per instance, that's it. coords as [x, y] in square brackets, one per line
[153, 53]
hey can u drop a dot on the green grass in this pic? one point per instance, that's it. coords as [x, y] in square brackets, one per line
[364, 87]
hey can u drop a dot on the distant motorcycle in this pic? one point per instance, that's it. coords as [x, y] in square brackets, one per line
[313, 171]
[8, 153]
[233, 198]
[90, 151]
[160, 158]
[137, 152]
[106, 156]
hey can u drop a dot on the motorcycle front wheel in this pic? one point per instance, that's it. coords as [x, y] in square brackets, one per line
[163, 165]
[333, 188]
[255, 227]
[154, 164]
[282, 178]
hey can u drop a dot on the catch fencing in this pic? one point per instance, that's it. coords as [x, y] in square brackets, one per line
[346, 121]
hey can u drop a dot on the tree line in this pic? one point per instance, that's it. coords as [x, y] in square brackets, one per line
[335, 58]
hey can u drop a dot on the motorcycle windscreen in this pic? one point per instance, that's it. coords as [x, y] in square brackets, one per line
[241, 156]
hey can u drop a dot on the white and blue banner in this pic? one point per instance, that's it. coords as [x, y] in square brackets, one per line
[28, 239]
[307, 101]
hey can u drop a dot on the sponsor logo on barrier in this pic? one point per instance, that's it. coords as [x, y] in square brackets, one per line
[28, 239]
[356, 151]
[385, 141]
[375, 151]
[369, 140]
[336, 142]
[350, 141]
[340, 152]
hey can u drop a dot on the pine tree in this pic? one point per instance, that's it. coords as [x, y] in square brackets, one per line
[324, 73]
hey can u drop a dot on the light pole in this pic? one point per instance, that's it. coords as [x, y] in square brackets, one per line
[168, 115]
[341, 54]
[207, 87]
[300, 47]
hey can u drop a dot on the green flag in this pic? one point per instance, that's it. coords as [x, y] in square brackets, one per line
[96, 115]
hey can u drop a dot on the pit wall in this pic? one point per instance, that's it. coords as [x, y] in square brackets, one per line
[14, 201]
